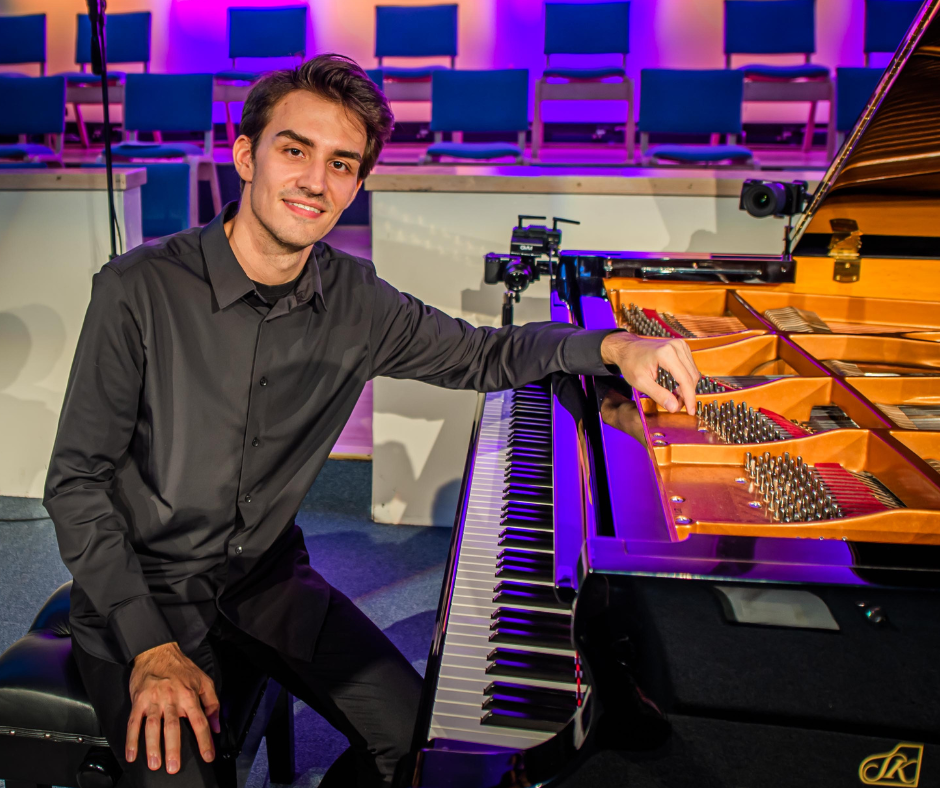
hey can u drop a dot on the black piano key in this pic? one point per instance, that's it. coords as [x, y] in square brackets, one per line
[509, 701]
[521, 720]
[531, 523]
[529, 495]
[520, 537]
[521, 553]
[526, 510]
[524, 573]
[535, 617]
[523, 636]
[516, 477]
[514, 592]
[542, 696]
[531, 664]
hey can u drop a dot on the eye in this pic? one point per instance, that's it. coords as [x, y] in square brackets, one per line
[341, 166]
[295, 152]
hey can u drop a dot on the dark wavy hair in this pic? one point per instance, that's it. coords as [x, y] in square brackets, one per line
[335, 78]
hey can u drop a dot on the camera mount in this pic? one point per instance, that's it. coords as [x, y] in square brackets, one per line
[532, 249]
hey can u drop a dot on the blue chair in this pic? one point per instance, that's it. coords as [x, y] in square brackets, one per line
[692, 102]
[376, 75]
[585, 29]
[279, 31]
[172, 102]
[23, 40]
[32, 106]
[854, 87]
[780, 27]
[427, 31]
[886, 22]
[127, 41]
[164, 198]
[479, 101]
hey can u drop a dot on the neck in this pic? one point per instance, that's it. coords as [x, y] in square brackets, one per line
[260, 255]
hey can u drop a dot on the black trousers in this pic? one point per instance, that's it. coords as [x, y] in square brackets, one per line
[357, 680]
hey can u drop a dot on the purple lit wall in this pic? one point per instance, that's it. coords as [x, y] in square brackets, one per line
[190, 35]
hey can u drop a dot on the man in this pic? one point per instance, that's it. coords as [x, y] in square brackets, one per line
[215, 369]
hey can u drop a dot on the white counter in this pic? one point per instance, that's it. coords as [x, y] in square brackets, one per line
[54, 236]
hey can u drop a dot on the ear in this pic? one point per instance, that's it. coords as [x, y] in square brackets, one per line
[244, 161]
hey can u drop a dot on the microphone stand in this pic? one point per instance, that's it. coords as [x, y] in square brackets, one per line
[99, 65]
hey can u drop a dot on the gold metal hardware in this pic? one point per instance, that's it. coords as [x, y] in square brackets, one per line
[846, 248]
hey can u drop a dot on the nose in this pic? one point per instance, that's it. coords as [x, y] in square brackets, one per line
[313, 177]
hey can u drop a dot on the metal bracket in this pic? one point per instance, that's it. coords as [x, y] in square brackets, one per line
[846, 248]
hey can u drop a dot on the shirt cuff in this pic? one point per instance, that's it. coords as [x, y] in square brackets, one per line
[581, 353]
[139, 626]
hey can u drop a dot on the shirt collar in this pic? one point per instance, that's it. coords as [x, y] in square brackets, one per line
[229, 280]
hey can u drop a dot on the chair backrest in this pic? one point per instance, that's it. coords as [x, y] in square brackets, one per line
[675, 101]
[770, 27]
[854, 86]
[32, 106]
[168, 102]
[267, 32]
[886, 22]
[587, 28]
[23, 39]
[416, 31]
[496, 100]
[377, 76]
[127, 38]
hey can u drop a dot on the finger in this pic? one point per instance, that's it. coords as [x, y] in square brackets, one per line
[210, 703]
[171, 738]
[133, 734]
[684, 380]
[658, 394]
[684, 354]
[200, 726]
[152, 736]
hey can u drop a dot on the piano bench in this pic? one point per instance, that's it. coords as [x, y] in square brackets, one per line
[49, 734]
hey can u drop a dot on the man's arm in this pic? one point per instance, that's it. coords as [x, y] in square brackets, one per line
[95, 429]
[412, 340]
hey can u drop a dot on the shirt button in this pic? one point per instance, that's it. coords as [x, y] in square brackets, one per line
[255, 442]
[263, 381]
[248, 499]
[238, 550]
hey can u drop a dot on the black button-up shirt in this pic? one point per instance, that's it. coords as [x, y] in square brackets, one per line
[197, 416]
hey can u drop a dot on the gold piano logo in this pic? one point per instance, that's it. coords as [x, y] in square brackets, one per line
[901, 766]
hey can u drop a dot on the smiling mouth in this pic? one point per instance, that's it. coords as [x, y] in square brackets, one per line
[301, 206]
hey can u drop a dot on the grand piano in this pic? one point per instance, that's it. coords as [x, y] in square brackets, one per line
[745, 597]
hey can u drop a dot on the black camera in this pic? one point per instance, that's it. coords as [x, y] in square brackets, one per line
[772, 198]
[531, 251]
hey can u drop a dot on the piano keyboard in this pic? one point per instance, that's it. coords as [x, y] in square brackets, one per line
[650, 323]
[508, 674]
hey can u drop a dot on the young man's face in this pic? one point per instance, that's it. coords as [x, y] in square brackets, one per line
[305, 170]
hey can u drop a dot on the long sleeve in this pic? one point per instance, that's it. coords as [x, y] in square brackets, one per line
[95, 430]
[412, 340]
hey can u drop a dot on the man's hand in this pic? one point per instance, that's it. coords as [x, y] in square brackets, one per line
[166, 684]
[639, 360]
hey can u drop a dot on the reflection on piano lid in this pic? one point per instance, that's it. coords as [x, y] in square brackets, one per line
[859, 369]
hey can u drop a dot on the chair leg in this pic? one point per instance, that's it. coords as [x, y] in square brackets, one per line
[193, 192]
[279, 736]
[832, 137]
[79, 121]
[810, 128]
[629, 134]
[537, 129]
[214, 185]
[229, 126]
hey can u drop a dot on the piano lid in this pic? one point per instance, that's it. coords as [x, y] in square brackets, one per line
[886, 177]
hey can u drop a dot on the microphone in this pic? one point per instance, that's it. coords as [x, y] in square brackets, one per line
[98, 45]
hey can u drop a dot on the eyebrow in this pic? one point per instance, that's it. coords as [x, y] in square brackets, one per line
[342, 154]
